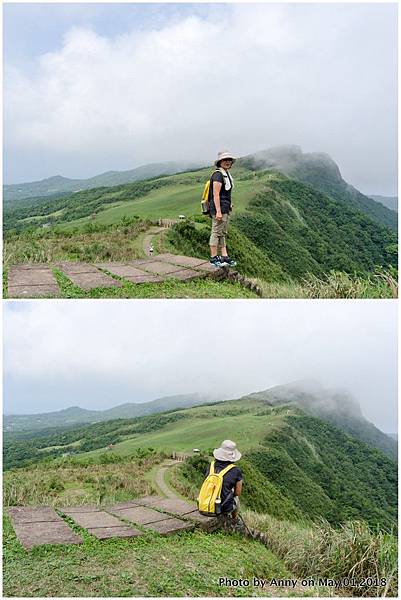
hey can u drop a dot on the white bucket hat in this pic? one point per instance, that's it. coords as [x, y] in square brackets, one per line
[223, 155]
[227, 451]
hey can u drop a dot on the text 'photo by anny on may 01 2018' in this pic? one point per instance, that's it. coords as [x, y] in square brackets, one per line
[252, 453]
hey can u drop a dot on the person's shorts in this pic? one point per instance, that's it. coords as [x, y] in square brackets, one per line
[219, 231]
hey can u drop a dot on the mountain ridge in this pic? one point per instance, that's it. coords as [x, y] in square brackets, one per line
[336, 407]
[317, 169]
[320, 171]
[34, 189]
[80, 416]
[339, 408]
[295, 465]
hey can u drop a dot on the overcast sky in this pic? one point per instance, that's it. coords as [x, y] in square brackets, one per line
[100, 354]
[97, 87]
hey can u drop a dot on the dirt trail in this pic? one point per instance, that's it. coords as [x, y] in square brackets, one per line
[147, 240]
[160, 481]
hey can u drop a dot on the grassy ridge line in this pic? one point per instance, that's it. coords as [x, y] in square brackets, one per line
[288, 236]
[200, 433]
[319, 542]
[169, 194]
[25, 446]
[318, 469]
[287, 449]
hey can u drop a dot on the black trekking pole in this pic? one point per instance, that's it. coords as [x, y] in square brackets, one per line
[245, 525]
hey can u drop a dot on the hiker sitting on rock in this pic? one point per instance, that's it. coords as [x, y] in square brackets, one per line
[221, 184]
[219, 495]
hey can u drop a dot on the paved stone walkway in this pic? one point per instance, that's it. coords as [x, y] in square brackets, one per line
[31, 281]
[42, 525]
[100, 523]
[35, 280]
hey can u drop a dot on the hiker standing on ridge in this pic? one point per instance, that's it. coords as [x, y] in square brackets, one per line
[225, 458]
[221, 184]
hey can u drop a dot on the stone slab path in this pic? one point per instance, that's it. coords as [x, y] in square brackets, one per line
[31, 281]
[152, 519]
[87, 276]
[42, 525]
[36, 280]
[36, 526]
[138, 514]
[182, 508]
[169, 526]
[100, 524]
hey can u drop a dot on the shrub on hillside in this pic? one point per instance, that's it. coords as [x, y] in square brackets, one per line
[190, 240]
[304, 230]
[351, 551]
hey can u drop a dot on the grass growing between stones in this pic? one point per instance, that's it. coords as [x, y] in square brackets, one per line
[171, 288]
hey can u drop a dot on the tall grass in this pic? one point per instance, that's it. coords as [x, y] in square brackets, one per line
[95, 243]
[318, 549]
[70, 483]
[380, 284]
[336, 284]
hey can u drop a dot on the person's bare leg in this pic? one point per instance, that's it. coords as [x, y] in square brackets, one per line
[224, 251]
[213, 251]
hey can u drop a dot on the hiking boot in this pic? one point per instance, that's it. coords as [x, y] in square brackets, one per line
[216, 262]
[226, 260]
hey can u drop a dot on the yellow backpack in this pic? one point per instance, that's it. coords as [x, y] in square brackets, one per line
[205, 203]
[209, 498]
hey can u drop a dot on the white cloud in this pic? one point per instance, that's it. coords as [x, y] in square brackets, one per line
[149, 349]
[248, 77]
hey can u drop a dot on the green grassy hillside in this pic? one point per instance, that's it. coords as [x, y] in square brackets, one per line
[302, 479]
[320, 171]
[163, 196]
[317, 468]
[284, 232]
[303, 230]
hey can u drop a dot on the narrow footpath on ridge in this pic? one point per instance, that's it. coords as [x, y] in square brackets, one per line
[147, 240]
[160, 478]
